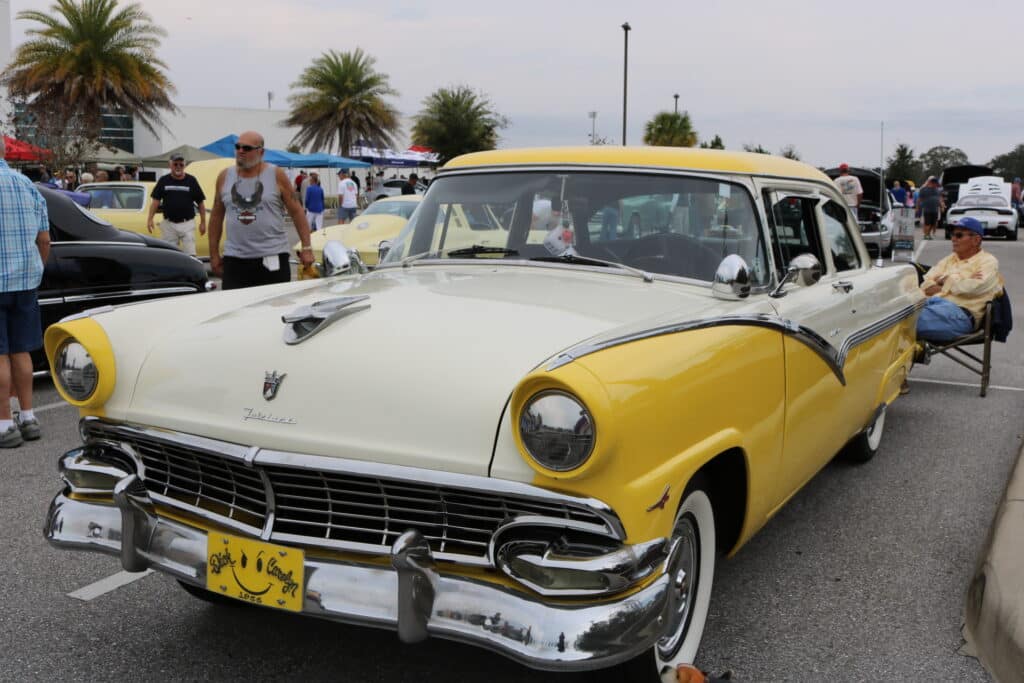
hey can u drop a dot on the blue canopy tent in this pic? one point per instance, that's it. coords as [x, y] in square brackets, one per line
[225, 147]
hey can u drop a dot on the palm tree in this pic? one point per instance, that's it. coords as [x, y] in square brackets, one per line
[341, 101]
[456, 121]
[86, 57]
[670, 129]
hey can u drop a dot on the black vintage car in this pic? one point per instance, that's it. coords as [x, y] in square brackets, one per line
[94, 264]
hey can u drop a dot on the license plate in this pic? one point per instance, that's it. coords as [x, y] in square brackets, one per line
[255, 571]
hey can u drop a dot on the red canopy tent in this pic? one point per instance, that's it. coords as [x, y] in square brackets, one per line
[23, 151]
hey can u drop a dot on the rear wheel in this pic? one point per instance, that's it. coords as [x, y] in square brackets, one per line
[1011, 236]
[690, 568]
[864, 446]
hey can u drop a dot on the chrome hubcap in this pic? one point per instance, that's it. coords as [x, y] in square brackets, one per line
[684, 559]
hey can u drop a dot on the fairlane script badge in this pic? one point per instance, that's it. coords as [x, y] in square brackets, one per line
[253, 414]
[271, 383]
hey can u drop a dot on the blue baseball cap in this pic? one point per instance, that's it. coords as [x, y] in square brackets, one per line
[972, 224]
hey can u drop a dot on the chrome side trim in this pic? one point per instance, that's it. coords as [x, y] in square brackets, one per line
[834, 358]
[50, 300]
[134, 293]
[788, 327]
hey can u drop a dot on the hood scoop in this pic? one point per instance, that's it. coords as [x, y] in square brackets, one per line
[306, 321]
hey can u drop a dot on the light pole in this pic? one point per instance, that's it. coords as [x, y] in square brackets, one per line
[593, 125]
[677, 102]
[625, 70]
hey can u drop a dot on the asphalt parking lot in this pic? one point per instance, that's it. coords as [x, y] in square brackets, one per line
[861, 577]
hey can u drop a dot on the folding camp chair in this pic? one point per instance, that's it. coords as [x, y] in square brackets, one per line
[995, 325]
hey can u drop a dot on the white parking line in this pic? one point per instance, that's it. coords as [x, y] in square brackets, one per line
[111, 583]
[963, 384]
[51, 406]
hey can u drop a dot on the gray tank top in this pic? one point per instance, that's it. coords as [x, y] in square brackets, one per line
[253, 214]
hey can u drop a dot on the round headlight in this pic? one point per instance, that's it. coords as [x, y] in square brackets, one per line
[557, 431]
[76, 372]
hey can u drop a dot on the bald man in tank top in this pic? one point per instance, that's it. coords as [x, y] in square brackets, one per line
[250, 201]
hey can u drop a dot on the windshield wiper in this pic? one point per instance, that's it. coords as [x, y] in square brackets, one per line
[482, 249]
[591, 261]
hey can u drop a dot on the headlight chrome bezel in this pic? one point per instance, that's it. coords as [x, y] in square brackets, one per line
[553, 409]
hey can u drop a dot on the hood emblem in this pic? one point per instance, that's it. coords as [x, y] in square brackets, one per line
[271, 383]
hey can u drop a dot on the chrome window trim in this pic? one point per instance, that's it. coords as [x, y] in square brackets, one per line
[834, 358]
[141, 245]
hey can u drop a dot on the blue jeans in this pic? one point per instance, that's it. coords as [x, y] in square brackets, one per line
[942, 320]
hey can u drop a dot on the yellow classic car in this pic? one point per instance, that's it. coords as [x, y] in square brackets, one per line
[553, 431]
[379, 223]
[125, 205]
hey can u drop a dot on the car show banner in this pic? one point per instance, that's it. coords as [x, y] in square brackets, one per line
[903, 234]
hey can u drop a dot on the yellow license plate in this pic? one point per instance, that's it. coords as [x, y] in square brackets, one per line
[255, 571]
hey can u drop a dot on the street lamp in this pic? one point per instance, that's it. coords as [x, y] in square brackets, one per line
[677, 102]
[625, 68]
[593, 125]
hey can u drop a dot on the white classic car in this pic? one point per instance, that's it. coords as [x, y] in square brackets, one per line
[557, 430]
[986, 198]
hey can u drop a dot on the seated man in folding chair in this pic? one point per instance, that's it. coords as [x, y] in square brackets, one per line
[959, 286]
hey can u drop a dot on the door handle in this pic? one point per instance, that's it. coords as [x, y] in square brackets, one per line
[842, 286]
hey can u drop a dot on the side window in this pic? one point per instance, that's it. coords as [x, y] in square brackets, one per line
[844, 251]
[794, 229]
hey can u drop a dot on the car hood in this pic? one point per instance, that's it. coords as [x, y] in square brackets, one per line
[869, 182]
[961, 174]
[420, 376]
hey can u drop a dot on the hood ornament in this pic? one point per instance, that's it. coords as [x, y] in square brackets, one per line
[271, 383]
[305, 321]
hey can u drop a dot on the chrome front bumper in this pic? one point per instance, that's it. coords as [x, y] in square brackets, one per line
[412, 596]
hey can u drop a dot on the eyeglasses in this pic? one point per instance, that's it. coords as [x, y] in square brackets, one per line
[177, 163]
[246, 148]
[961, 235]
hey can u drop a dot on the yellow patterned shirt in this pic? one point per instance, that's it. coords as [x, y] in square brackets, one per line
[962, 285]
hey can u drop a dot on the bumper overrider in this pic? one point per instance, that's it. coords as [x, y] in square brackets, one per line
[555, 605]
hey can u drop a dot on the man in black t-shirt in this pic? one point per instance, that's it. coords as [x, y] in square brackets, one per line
[179, 196]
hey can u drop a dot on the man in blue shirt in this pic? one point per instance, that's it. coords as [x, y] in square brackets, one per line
[314, 202]
[899, 194]
[24, 246]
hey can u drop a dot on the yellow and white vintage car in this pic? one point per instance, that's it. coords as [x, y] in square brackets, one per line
[551, 431]
[369, 231]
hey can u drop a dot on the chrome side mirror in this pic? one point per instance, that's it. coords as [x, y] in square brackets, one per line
[382, 250]
[339, 260]
[732, 279]
[804, 270]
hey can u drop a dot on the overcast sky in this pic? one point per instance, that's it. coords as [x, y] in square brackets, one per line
[820, 75]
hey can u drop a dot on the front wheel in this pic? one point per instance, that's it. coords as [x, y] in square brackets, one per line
[690, 567]
[864, 446]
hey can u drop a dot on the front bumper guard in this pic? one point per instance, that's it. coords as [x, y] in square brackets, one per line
[412, 596]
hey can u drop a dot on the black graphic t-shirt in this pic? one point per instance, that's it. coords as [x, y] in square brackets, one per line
[178, 198]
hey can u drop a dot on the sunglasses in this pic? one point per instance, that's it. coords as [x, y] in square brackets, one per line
[961, 235]
[246, 148]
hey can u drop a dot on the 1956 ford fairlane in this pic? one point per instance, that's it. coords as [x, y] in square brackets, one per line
[533, 428]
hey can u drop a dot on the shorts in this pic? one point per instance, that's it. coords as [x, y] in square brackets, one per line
[346, 214]
[21, 330]
[930, 218]
[250, 272]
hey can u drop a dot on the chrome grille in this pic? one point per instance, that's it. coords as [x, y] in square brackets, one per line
[328, 508]
[375, 511]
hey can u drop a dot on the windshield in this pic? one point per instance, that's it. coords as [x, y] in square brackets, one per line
[394, 207]
[667, 224]
[982, 202]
